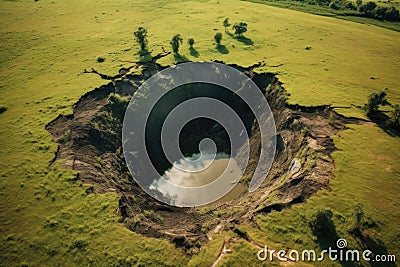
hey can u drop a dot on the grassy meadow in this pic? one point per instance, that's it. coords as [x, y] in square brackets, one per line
[47, 219]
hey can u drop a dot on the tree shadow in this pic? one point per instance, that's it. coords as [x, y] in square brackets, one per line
[244, 39]
[145, 56]
[3, 109]
[222, 49]
[376, 246]
[241, 38]
[324, 229]
[193, 52]
[180, 58]
[381, 119]
[361, 230]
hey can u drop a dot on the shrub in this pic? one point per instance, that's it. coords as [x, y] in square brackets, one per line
[66, 137]
[117, 106]
[191, 42]
[141, 37]
[394, 119]
[323, 2]
[107, 124]
[218, 38]
[371, 10]
[226, 23]
[392, 14]
[176, 42]
[79, 245]
[335, 5]
[368, 8]
[350, 5]
[374, 101]
[240, 28]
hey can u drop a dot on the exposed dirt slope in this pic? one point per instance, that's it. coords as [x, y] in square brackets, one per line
[303, 163]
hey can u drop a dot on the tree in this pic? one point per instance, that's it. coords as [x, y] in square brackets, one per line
[392, 14]
[350, 5]
[359, 3]
[191, 42]
[394, 120]
[323, 2]
[218, 38]
[176, 42]
[374, 101]
[335, 5]
[226, 23]
[380, 12]
[140, 36]
[240, 28]
[368, 8]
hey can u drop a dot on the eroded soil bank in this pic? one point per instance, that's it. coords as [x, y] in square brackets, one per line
[90, 142]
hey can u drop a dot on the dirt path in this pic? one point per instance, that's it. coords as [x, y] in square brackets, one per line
[224, 251]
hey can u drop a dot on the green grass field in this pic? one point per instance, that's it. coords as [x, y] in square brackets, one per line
[47, 219]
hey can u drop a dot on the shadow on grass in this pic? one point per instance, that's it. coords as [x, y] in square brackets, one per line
[222, 49]
[145, 56]
[244, 40]
[193, 52]
[376, 246]
[241, 38]
[180, 58]
[2, 109]
[324, 229]
[382, 120]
